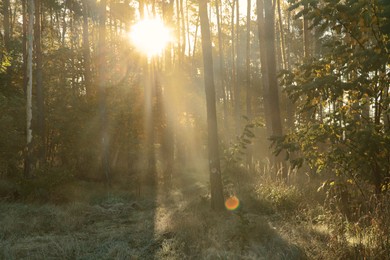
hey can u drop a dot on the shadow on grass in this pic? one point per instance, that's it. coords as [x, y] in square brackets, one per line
[196, 232]
[111, 225]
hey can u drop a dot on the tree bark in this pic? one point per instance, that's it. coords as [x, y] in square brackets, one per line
[39, 84]
[248, 78]
[217, 200]
[233, 73]
[24, 46]
[306, 46]
[237, 87]
[86, 50]
[268, 65]
[30, 40]
[103, 92]
[263, 63]
[221, 65]
[6, 24]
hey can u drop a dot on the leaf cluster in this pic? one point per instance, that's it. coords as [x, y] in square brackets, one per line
[342, 95]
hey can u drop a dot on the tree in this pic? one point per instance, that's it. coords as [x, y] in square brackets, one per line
[221, 64]
[248, 78]
[103, 92]
[86, 50]
[39, 84]
[344, 91]
[30, 40]
[6, 24]
[266, 27]
[217, 200]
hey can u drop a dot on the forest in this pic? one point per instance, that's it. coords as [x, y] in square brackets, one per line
[194, 129]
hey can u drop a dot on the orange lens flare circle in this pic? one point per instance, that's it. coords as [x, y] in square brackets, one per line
[232, 203]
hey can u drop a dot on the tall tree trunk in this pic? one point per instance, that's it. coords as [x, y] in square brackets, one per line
[183, 30]
[102, 61]
[168, 143]
[39, 85]
[6, 24]
[217, 200]
[188, 29]
[263, 63]
[268, 64]
[24, 45]
[273, 89]
[282, 41]
[289, 104]
[233, 73]
[30, 37]
[221, 65]
[237, 87]
[248, 78]
[178, 33]
[195, 39]
[86, 50]
[306, 43]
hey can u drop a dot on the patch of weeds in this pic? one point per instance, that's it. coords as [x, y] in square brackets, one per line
[111, 198]
[21, 219]
[228, 235]
[171, 249]
[282, 197]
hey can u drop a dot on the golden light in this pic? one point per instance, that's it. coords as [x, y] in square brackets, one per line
[150, 36]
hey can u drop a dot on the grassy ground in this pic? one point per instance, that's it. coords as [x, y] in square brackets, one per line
[274, 221]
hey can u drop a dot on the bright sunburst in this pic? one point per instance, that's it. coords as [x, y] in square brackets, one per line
[150, 36]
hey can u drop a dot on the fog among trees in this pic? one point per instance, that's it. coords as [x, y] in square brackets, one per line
[175, 129]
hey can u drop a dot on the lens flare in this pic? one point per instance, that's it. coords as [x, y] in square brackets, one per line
[232, 203]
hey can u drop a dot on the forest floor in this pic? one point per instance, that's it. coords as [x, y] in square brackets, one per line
[174, 224]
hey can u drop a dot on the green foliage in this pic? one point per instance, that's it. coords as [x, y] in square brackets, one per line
[4, 61]
[234, 156]
[342, 96]
[279, 196]
[43, 185]
[12, 137]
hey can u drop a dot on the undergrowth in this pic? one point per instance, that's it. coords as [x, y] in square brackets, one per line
[275, 220]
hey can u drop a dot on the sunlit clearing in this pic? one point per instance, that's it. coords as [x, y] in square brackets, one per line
[150, 36]
[232, 203]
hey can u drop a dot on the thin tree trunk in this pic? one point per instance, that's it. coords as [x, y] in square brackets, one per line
[217, 200]
[268, 64]
[271, 63]
[183, 30]
[39, 85]
[306, 48]
[6, 24]
[233, 75]
[30, 36]
[188, 29]
[290, 105]
[237, 88]
[221, 65]
[248, 78]
[178, 32]
[195, 38]
[86, 50]
[232, 85]
[24, 46]
[168, 143]
[263, 62]
[282, 41]
[103, 92]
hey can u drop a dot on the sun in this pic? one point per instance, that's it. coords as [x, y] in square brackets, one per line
[150, 36]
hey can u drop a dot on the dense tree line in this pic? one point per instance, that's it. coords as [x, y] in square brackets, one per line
[315, 74]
